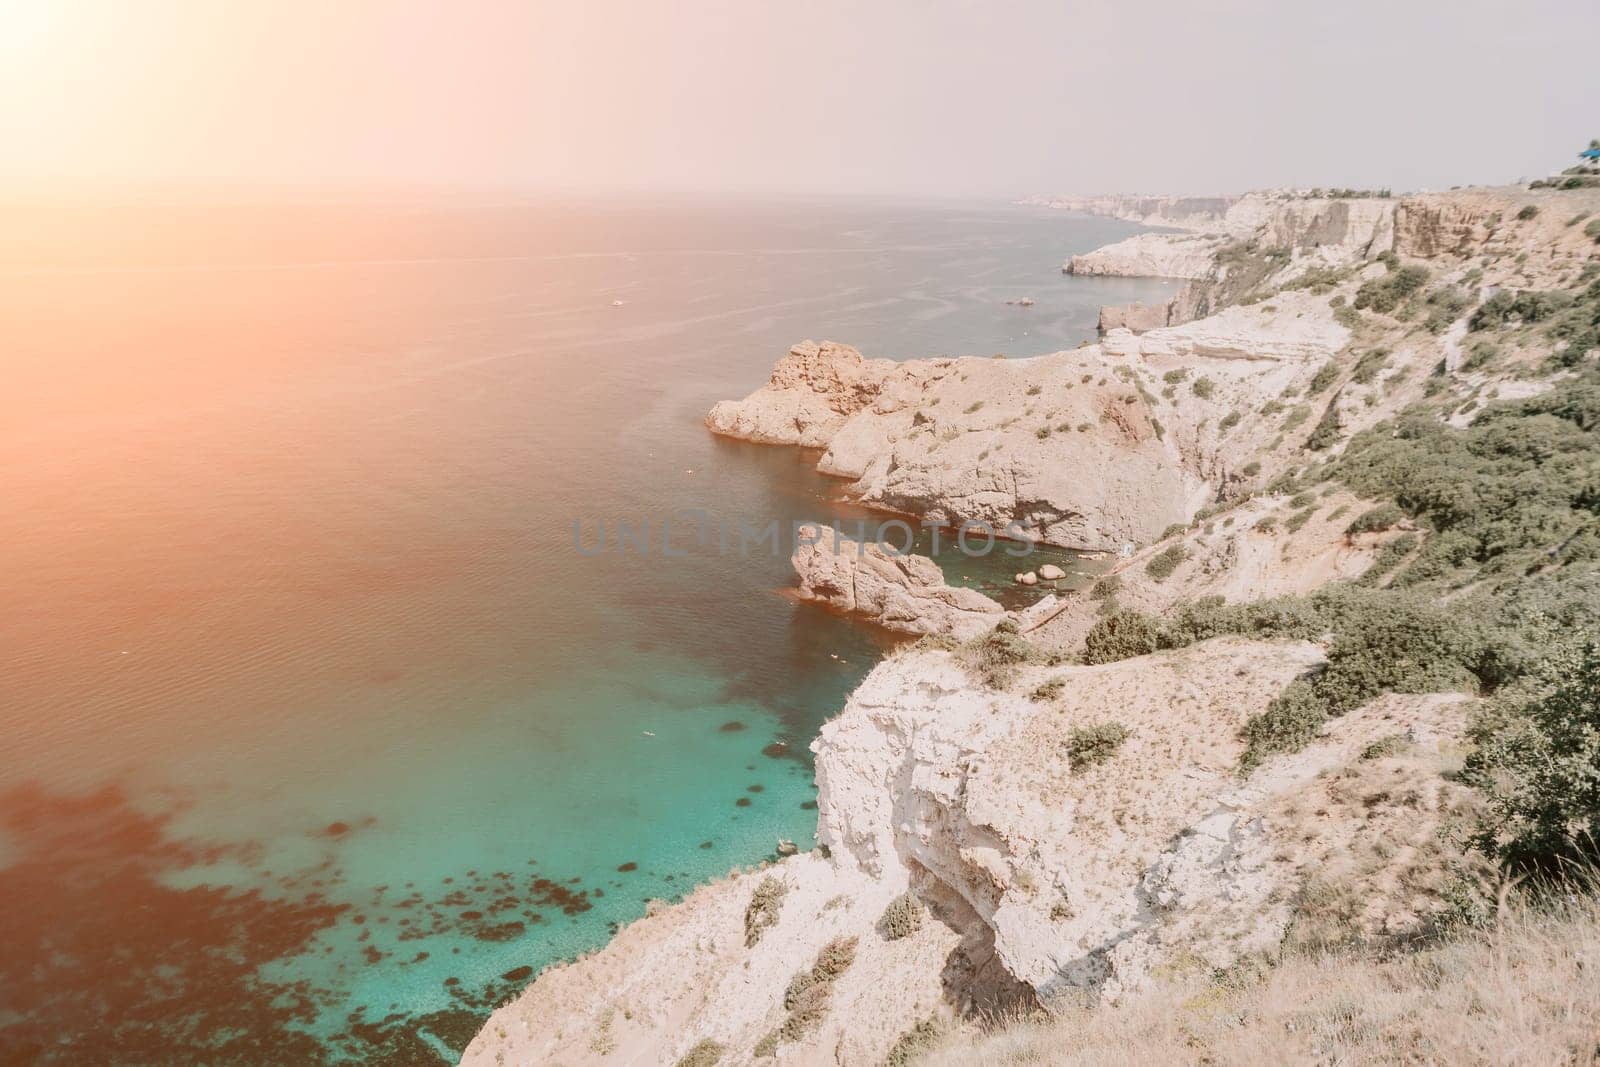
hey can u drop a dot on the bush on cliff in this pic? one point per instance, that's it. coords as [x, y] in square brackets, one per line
[1326, 375]
[707, 1053]
[1386, 293]
[1526, 307]
[910, 1046]
[762, 911]
[902, 917]
[993, 658]
[1163, 564]
[1518, 489]
[1378, 641]
[1375, 519]
[1382, 643]
[1088, 746]
[1538, 763]
[1326, 433]
[806, 997]
[1121, 635]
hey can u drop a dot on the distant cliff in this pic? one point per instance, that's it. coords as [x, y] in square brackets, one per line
[1206, 213]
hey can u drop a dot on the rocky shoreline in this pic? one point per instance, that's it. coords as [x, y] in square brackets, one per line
[1069, 826]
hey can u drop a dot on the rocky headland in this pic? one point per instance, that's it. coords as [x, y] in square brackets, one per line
[1223, 752]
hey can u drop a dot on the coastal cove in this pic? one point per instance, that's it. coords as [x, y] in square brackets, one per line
[323, 737]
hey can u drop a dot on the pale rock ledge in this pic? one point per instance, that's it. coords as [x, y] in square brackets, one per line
[1151, 255]
[1088, 448]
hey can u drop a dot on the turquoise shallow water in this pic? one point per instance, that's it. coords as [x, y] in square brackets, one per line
[320, 735]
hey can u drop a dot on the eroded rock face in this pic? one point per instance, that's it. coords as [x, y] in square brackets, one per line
[906, 593]
[1136, 317]
[1357, 228]
[1434, 226]
[1072, 868]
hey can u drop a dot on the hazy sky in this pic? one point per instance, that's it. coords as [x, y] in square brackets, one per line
[872, 96]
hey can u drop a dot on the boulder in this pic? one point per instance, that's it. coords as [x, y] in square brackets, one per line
[905, 593]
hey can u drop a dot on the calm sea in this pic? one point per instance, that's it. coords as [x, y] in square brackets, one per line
[319, 735]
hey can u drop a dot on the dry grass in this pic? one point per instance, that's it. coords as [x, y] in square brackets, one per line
[1524, 993]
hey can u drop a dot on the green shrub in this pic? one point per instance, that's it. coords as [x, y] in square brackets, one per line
[1106, 588]
[1383, 642]
[1527, 307]
[1325, 434]
[1228, 421]
[1121, 635]
[993, 658]
[1326, 375]
[1528, 211]
[1088, 746]
[762, 911]
[1510, 487]
[1173, 377]
[902, 918]
[1388, 292]
[1538, 764]
[707, 1053]
[1388, 557]
[973, 408]
[1034, 390]
[1482, 354]
[1165, 562]
[1445, 305]
[1291, 722]
[1204, 388]
[1385, 746]
[1372, 520]
[1368, 366]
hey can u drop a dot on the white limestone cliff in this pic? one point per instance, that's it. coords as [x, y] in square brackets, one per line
[1200, 213]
